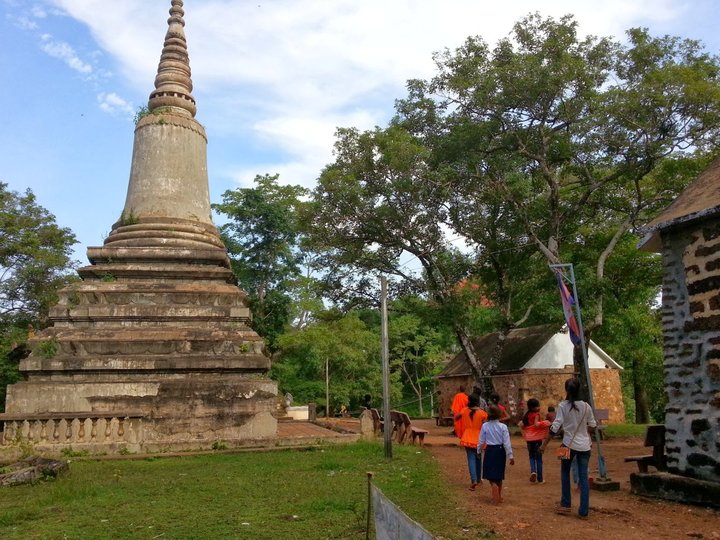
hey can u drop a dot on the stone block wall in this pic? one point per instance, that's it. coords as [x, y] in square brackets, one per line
[546, 385]
[691, 331]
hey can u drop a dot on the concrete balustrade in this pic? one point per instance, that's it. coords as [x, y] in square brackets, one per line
[70, 429]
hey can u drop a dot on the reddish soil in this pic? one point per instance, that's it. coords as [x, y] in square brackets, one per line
[527, 511]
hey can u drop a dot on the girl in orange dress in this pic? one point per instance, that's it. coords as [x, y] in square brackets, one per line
[471, 421]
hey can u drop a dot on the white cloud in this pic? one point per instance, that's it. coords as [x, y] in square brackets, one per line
[114, 104]
[24, 23]
[286, 73]
[63, 51]
[38, 12]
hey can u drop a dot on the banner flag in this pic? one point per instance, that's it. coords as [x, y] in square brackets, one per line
[568, 302]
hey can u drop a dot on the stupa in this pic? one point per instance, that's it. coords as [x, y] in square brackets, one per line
[152, 349]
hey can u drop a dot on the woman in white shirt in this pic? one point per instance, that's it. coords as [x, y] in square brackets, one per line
[577, 421]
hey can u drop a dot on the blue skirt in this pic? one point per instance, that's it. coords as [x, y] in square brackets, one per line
[493, 465]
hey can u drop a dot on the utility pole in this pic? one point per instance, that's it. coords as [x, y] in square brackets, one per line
[384, 348]
[327, 387]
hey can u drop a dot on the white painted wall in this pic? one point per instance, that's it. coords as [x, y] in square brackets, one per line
[558, 353]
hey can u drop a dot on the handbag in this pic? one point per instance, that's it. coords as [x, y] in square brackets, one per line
[564, 451]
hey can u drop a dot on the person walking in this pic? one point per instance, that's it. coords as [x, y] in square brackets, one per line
[495, 400]
[496, 448]
[534, 431]
[471, 421]
[459, 402]
[575, 417]
[481, 400]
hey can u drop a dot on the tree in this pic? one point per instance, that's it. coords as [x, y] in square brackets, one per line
[262, 238]
[344, 350]
[549, 137]
[379, 201]
[415, 352]
[35, 261]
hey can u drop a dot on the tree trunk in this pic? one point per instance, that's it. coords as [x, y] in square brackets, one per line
[642, 410]
[581, 373]
[480, 374]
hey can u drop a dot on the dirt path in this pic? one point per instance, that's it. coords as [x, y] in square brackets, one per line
[527, 512]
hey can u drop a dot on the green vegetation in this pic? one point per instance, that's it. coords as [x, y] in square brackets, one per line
[141, 113]
[128, 219]
[34, 263]
[47, 348]
[262, 239]
[293, 494]
[546, 148]
[219, 445]
[73, 298]
[625, 430]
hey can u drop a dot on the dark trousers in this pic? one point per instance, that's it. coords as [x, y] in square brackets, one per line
[536, 462]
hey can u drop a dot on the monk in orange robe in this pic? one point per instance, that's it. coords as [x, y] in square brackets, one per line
[459, 402]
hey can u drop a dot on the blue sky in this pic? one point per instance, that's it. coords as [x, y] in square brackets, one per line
[273, 80]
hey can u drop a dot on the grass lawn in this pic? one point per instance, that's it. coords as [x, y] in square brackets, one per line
[625, 430]
[284, 494]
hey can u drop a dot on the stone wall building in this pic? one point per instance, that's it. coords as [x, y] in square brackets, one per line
[687, 234]
[535, 362]
[152, 350]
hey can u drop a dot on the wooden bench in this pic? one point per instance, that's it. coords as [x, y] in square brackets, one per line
[401, 426]
[655, 438]
[443, 420]
[378, 423]
[406, 429]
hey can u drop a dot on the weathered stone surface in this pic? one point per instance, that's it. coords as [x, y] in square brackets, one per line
[676, 488]
[691, 374]
[153, 348]
[31, 470]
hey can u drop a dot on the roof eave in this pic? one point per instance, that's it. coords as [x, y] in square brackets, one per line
[652, 241]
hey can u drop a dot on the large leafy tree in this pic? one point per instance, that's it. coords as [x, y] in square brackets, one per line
[550, 142]
[35, 261]
[380, 205]
[550, 132]
[262, 237]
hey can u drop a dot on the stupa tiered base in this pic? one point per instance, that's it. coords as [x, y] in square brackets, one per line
[152, 350]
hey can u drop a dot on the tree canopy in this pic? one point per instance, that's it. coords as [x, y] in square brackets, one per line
[545, 148]
[262, 238]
